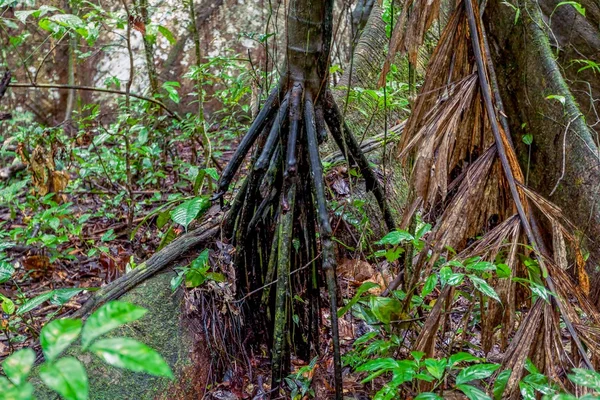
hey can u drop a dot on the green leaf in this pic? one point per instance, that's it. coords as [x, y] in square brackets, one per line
[365, 287]
[62, 296]
[577, 6]
[167, 34]
[395, 237]
[479, 371]
[171, 91]
[54, 223]
[18, 365]
[67, 377]
[436, 367]
[445, 273]
[197, 273]
[187, 211]
[428, 396]
[430, 284]
[33, 303]
[561, 99]
[163, 218]
[456, 279]
[132, 355]
[6, 271]
[473, 393]
[527, 392]
[527, 139]
[7, 305]
[503, 271]
[461, 357]
[586, 378]
[480, 266]
[67, 20]
[12, 392]
[385, 309]
[500, 383]
[484, 288]
[108, 317]
[57, 335]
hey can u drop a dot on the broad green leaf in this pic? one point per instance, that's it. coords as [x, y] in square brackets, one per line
[163, 218]
[586, 378]
[430, 284]
[484, 288]
[461, 357]
[456, 279]
[6, 271]
[187, 211]
[18, 365]
[540, 383]
[67, 20]
[428, 396]
[527, 392]
[67, 377]
[12, 392]
[133, 355]
[503, 271]
[197, 273]
[62, 296]
[57, 335]
[479, 371]
[500, 383]
[473, 393]
[396, 237]
[365, 287]
[108, 317]
[445, 273]
[33, 303]
[385, 309]
[481, 266]
[436, 367]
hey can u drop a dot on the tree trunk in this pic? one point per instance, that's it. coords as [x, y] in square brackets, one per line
[547, 98]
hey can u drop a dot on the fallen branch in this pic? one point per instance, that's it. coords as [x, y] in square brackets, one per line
[152, 266]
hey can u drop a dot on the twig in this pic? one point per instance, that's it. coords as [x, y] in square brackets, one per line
[564, 155]
[173, 114]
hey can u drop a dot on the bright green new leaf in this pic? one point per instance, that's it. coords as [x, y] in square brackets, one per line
[479, 371]
[57, 335]
[18, 365]
[108, 317]
[132, 355]
[385, 309]
[67, 377]
[7, 305]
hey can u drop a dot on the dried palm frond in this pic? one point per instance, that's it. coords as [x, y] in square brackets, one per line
[468, 183]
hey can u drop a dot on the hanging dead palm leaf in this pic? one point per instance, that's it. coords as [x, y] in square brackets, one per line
[468, 180]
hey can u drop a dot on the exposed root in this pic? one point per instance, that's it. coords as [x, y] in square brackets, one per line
[275, 216]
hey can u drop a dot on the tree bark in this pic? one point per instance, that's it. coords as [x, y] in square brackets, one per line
[544, 98]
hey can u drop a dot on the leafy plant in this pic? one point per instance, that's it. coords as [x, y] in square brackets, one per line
[67, 375]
